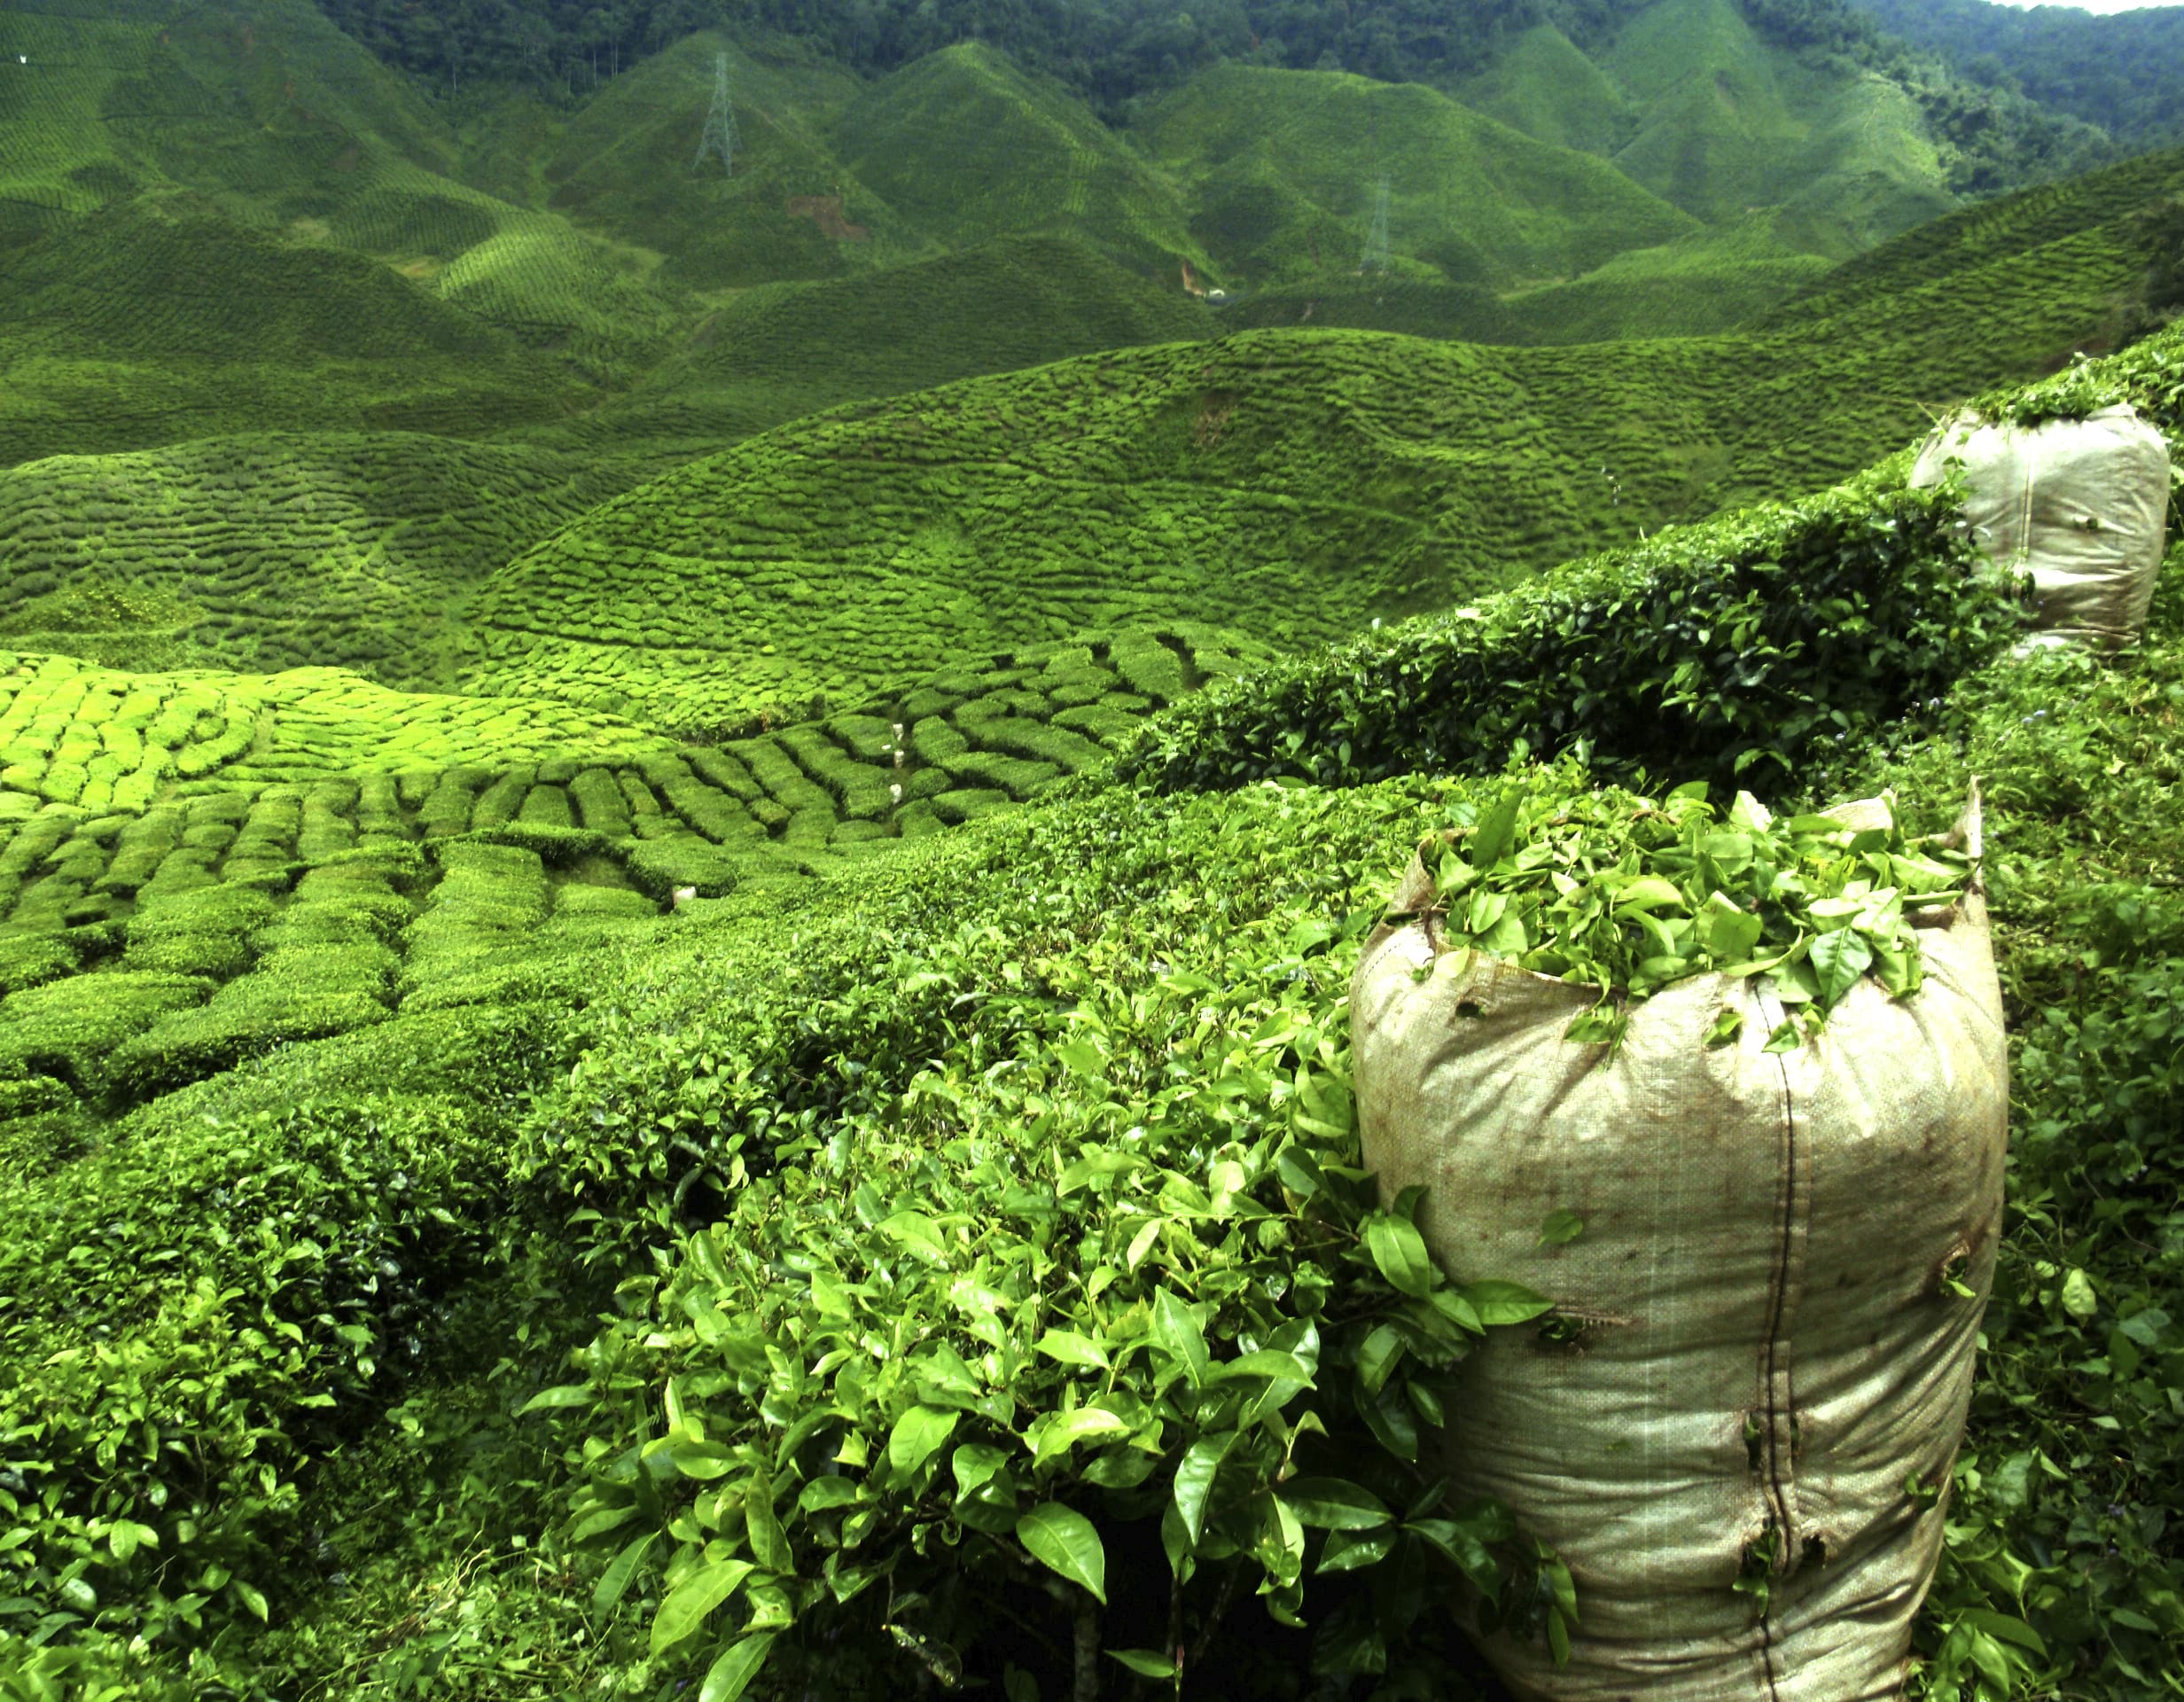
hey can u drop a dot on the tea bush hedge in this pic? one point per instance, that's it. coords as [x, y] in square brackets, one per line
[1736, 649]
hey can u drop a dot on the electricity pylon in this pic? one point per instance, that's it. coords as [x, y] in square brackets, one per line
[1376, 243]
[719, 136]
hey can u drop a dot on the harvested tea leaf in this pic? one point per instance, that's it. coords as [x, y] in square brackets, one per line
[1628, 894]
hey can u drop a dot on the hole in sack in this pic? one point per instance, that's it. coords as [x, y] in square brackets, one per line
[1948, 1278]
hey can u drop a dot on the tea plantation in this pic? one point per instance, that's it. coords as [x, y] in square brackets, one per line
[681, 849]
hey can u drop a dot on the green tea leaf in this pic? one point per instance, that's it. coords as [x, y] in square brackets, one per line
[741, 1662]
[1073, 1349]
[1499, 1302]
[918, 1434]
[919, 1234]
[1496, 832]
[1194, 1479]
[615, 1580]
[690, 1602]
[1334, 1504]
[1063, 1539]
[1399, 1251]
[1839, 958]
[1176, 1328]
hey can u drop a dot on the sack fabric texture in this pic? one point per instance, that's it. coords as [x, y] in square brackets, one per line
[1772, 1338]
[2081, 504]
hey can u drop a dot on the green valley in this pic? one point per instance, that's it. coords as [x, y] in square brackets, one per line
[683, 826]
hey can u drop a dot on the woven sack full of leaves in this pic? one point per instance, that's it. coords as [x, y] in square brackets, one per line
[1732, 1088]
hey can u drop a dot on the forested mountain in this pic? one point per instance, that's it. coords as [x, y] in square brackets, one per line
[257, 193]
[2124, 71]
[1109, 50]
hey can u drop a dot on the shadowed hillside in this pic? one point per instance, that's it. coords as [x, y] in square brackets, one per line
[775, 353]
[1283, 167]
[271, 553]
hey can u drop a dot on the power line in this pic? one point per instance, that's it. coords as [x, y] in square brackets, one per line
[1377, 256]
[719, 136]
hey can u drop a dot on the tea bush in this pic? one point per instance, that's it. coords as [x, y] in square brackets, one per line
[2064, 1517]
[1019, 1239]
[195, 1319]
[1737, 649]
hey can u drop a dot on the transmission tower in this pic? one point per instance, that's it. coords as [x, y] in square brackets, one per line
[1376, 243]
[719, 136]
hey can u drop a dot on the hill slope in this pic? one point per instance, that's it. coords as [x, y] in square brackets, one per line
[274, 551]
[1294, 484]
[1283, 168]
[2124, 71]
[775, 353]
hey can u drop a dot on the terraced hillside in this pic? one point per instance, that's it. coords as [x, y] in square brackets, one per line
[780, 351]
[275, 551]
[197, 867]
[1711, 281]
[863, 546]
[2072, 234]
[1294, 484]
[1716, 280]
[1283, 168]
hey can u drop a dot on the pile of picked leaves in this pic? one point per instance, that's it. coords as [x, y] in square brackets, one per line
[1629, 894]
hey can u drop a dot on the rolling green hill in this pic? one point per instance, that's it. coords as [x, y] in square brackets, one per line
[968, 147]
[622, 165]
[1727, 125]
[1446, 468]
[254, 201]
[275, 551]
[1293, 484]
[1282, 167]
[780, 351]
[2057, 233]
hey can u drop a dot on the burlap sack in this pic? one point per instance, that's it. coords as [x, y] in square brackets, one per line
[1772, 1338]
[2081, 504]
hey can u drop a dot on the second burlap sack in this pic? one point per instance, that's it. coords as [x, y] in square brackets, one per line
[1776, 1298]
[2081, 505]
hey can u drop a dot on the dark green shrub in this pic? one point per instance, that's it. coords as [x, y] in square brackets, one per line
[1109, 1297]
[964, 806]
[204, 931]
[73, 1029]
[297, 992]
[269, 1287]
[502, 802]
[600, 805]
[1734, 649]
